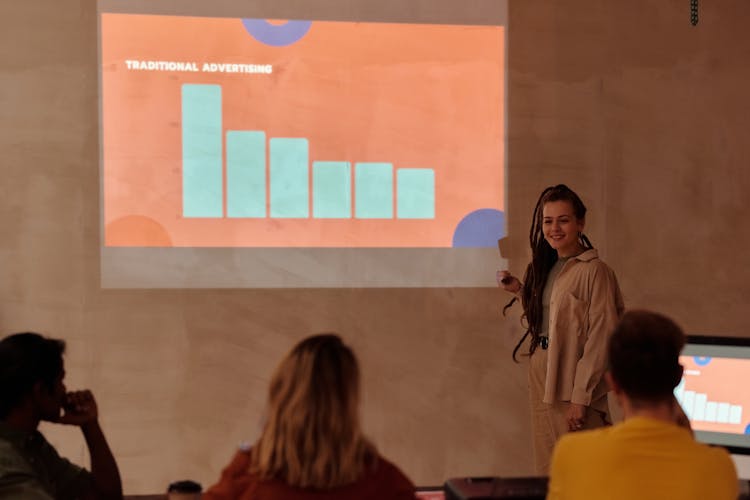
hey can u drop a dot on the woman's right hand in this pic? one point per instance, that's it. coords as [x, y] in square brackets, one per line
[507, 281]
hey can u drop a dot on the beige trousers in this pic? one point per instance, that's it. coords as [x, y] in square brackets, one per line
[548, 421]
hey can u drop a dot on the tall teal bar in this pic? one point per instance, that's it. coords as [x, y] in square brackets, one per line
[332, 190]
[415, 193]
[373, 191]
[202, 176]
[246, 173]
[290, 178]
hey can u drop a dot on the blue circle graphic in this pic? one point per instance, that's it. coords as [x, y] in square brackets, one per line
[275, 35]
[747, 430]
[702, 360]
[480, 228]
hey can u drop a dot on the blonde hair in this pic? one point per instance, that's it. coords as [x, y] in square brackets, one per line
[312, 437]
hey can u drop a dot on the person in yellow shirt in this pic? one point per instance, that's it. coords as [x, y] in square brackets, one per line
[652, 454]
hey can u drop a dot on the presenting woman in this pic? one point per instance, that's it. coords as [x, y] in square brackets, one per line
[312, 447]
[571, 303]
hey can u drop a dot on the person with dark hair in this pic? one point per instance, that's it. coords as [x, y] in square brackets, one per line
[571, 302]
[652, 454]
[31, 391]
[312, 445]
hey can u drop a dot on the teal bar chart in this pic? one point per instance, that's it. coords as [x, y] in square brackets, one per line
[246, 174]
[373, 191]
[271, 176]
[289, 180]
[332, 190]
[202, 169]
[415, 198]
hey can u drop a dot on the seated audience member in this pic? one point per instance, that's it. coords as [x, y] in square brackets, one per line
[311, 446]
[652, 454]
[32, 390]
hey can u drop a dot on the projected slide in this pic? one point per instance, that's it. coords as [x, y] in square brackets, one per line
[253, 133]
[710, 395]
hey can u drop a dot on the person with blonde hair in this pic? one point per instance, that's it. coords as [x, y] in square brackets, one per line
[312, 445]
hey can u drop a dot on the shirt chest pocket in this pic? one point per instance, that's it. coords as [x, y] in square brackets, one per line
[571, 315]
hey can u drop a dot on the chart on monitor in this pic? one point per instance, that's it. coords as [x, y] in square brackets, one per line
[713, 391]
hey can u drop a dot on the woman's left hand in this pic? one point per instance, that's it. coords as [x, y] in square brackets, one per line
[576, 417]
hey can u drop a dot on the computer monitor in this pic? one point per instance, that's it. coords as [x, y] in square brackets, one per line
[715, 390]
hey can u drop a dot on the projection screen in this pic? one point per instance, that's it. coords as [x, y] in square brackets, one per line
[302, 143]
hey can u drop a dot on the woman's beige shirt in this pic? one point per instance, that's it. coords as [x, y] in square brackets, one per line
[585, 305]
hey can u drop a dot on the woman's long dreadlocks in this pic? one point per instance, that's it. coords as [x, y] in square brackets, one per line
[543, 258]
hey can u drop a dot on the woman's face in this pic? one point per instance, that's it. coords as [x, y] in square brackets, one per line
[561, 227]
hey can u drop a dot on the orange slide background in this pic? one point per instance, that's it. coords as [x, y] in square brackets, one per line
[427, 96]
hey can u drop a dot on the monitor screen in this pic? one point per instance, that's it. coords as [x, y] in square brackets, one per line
[713, 391]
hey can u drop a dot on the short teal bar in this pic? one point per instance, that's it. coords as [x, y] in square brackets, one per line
[246, 174]
[202, 176]
[290, 178]
[332, 190]
[415, 193]
[373, 191]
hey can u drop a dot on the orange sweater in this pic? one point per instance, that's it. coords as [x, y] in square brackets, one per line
[236, 483]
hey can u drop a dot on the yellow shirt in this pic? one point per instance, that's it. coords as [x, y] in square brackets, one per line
[641, 459]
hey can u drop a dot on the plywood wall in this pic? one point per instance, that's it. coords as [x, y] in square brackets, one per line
[645, 115]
